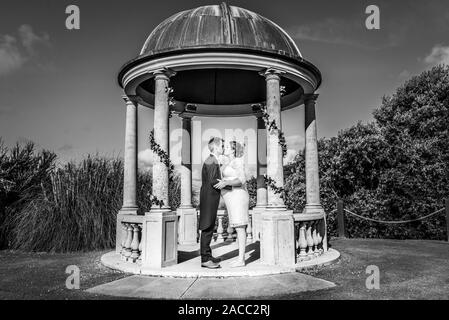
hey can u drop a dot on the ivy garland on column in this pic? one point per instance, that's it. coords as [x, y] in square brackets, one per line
[161, 153]
[171, 101]
[272, 128]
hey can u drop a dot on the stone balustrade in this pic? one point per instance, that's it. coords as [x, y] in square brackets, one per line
[131, 235]
[309, 236]
[229, 234]
[131, 242]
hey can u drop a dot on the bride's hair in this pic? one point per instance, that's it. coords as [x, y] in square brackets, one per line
[237, 148]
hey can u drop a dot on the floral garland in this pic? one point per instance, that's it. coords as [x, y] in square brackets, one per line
[272, 184]
[155, 200]
[272, 128]
[162, 154]
[171, 101]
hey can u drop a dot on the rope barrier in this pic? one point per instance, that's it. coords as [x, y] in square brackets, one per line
[394, 222]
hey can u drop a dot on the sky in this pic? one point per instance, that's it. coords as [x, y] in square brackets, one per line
[58, 87]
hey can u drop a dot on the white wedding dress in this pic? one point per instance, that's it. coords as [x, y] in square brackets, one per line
[237, 199]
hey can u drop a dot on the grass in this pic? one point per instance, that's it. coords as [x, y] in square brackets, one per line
[408, 270]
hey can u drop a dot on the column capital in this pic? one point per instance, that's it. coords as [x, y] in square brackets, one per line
[130, 99]
[311, 97]
[271, 73]
[163, 73]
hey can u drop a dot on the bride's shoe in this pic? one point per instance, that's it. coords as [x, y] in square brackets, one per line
[237, 264]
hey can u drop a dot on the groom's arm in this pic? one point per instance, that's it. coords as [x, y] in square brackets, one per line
[213, 173]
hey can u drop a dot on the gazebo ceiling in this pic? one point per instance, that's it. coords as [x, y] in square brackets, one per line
[220, 86]
[219, 26]
[218, 52]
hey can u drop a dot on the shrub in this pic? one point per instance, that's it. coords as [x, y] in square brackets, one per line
[24, 174]
[79, 210]
[392, 169]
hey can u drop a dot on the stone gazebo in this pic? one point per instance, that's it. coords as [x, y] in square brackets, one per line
[220, 61]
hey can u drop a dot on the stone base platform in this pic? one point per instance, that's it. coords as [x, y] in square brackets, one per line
[189, 265]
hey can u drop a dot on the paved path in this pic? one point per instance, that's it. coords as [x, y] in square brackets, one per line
[211, 288]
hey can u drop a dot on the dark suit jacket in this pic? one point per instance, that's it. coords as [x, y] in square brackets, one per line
[209, 196]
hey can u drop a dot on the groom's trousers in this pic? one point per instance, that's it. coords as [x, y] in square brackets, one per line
[206, 238]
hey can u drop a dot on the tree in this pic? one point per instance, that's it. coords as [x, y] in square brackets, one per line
[395, 168]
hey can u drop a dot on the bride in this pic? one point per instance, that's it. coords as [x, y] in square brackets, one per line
[237, 199]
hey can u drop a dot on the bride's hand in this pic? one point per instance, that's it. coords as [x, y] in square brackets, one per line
[220, 185]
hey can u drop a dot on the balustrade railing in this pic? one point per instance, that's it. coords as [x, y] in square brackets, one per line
[309, 236]
[228, 234]
[131, 242]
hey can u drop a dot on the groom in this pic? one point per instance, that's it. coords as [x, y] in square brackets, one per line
[209, 201]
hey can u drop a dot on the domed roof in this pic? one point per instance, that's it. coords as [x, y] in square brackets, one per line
[220, 27]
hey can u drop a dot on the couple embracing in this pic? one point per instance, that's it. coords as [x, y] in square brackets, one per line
[223, 175]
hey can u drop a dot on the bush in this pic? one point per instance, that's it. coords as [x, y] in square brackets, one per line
[24, 175]
[78, 212]
[392, 169]
[75, 210]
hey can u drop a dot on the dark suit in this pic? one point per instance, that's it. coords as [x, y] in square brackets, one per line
[209, 201]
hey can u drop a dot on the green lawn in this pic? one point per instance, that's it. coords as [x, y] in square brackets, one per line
[408, 270]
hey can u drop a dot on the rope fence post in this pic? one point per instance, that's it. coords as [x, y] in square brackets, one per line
[341, 219]
[447, 218]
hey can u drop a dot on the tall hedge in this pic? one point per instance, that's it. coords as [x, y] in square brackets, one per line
[394, 168]
[71, 208]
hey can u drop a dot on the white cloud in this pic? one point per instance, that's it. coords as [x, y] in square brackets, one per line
[348, 32]
[32, 41]
[145, 158]
[295, 141]
[66, 147]
[10, 56]
[439, 55]
[329, 31]
[16, 51]
[404, 74]
[290, 156]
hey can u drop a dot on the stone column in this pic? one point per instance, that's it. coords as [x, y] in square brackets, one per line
[313, 203]
[275, 157]
[277, 245]
[130, 161]
[129, 206]
[261, 163]
[261, 201]
[186, 163]
[188, 222]
[161, 137]
[159, 231]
